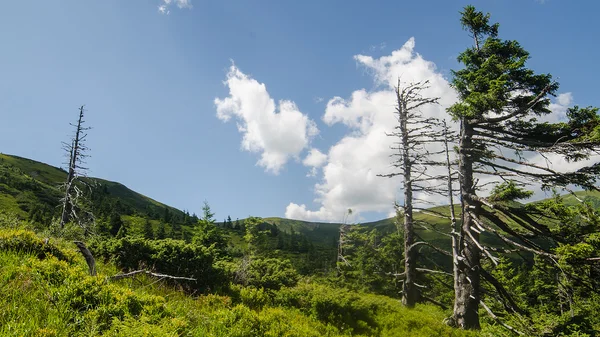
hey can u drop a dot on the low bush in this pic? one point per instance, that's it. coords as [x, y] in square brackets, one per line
[268, 273]
[25, 241]
[168, 256]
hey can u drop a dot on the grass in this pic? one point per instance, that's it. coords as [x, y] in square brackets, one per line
[44, 296]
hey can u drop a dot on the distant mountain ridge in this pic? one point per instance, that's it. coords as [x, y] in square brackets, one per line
[25, 182]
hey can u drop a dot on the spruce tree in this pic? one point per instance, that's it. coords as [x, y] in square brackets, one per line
[161, 232]
[500, 105]
[115, 223]
[148, 231]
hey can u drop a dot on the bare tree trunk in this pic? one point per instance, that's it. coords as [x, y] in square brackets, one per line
[467, 292]
[75, 149]
[410, 292]
[89, 258]
[455, 229]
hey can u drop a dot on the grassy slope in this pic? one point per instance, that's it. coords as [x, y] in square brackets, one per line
[50, 178]
[52, 297]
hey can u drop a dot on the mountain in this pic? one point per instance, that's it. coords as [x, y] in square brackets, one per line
[30, 188]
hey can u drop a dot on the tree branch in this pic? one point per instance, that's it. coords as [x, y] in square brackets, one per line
[143, 271]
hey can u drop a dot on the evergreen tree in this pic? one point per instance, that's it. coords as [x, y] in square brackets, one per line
[186, 218]
[207, 215]
[148, 231]
[293, 240]
[167, 215]
[206, 232]
[176, 230]
[122, 232]
[500, 102]
[280, 241]
[255, 237]
[161, 232]
[229, 223]
[115, 223]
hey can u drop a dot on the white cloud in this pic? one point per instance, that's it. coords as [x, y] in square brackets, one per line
[163, 8]
[350, 178]
[559, 108]
[278, 131]
[314, 160]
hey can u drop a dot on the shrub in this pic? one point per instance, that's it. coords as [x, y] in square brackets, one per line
[168, 256]
[268, 273]
[19, 240]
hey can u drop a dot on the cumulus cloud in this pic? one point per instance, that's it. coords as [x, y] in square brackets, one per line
[350, 175]
[314, 159]
[278, 132]
[163, 8]
[559, 108]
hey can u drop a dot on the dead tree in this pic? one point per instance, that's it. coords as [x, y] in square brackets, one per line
[344, 228]
[76, 150]
[417, 145]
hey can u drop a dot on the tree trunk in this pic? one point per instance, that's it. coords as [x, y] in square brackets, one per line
[467, 294]
[67, 207]
[89, 258]
[410, 292]
[67, 204]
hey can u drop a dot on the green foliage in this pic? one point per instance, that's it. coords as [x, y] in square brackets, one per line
[268, 273]
[207, 214]
[371, 256]
[31, 190]
[19, 240]
[56, 298]
[173, 257]
[357, 313]
[509, 191]
[115, 224]
[148, 231]
[255, 237]
[207, 234]
[161, 232]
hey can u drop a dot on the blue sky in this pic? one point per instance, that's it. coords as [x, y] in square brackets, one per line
[166, 106]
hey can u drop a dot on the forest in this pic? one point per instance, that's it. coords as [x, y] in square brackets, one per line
[82, 256]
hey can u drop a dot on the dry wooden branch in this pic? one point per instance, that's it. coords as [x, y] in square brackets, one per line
[143, 271]
[89, 258]
[438, 303]
[497, 319]
[425, 270]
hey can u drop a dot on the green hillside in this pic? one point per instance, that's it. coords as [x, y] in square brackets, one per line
[46, 292]
[30, 188]
[228, 296]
